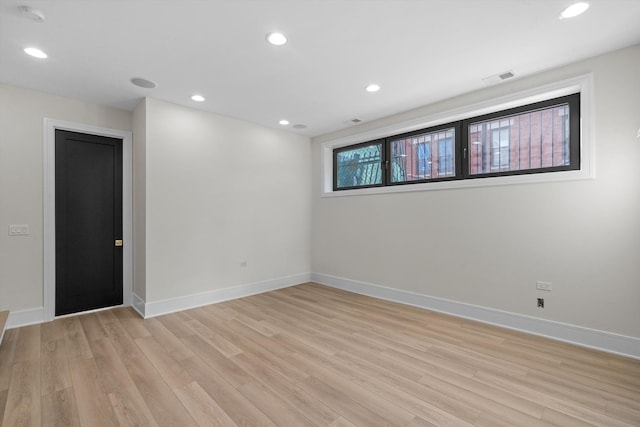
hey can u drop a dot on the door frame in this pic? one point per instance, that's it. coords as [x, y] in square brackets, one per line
[49, 208]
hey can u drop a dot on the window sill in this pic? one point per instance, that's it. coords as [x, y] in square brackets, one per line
[466, 183]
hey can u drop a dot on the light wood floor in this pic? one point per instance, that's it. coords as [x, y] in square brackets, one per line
[302, 356]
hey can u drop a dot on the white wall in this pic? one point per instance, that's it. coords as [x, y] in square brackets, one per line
[488, 246]
[22, 113]
[140, 199]
[220, 191]
[209, 192]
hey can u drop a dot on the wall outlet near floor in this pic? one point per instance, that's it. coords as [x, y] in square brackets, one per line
[18, 230]
[543, 286]
[540, 302]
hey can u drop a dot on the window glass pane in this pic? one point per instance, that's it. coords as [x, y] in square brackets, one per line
[531, 140]
[359, 166]
[423, 156]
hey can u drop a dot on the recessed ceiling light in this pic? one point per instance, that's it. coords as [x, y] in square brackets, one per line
[36, 53]
[284, 122]
[372, 88]
[140, 82]
[574, 10]
[197, 98]
[276, 39]
[299, 126]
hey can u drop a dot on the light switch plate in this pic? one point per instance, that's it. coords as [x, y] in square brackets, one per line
[18, 230]
[543, 286]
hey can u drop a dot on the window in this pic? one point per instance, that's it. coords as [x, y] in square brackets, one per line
[358, 166]
[422, 156]
[536, 138]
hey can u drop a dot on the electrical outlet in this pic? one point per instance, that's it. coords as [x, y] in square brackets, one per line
[543, 286]
[243, 263]
[540, 302]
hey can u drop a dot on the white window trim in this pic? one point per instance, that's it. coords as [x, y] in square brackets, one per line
[580, 84]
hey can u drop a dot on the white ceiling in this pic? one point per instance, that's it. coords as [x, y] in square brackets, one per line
[419, 51]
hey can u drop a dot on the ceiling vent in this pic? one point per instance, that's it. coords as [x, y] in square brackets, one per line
[356, 120]
[498, 78]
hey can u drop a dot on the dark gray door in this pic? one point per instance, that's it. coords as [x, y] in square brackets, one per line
[88, 222]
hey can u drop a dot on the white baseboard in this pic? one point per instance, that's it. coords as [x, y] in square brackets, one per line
[600, 340]
[27, 317]
[146, 310]
[171, 305]
[138, 304]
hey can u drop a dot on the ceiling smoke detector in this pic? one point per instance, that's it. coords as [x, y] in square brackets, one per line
[32, 14]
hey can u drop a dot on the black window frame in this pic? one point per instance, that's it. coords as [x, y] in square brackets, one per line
[461, 146]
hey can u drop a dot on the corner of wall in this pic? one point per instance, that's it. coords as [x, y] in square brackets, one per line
[139, 201]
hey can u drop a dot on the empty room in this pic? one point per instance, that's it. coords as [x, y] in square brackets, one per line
[320, 213]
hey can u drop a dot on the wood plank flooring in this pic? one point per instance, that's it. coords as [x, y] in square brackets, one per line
[305, 356]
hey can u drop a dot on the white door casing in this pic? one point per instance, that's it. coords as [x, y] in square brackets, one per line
[49, 220]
